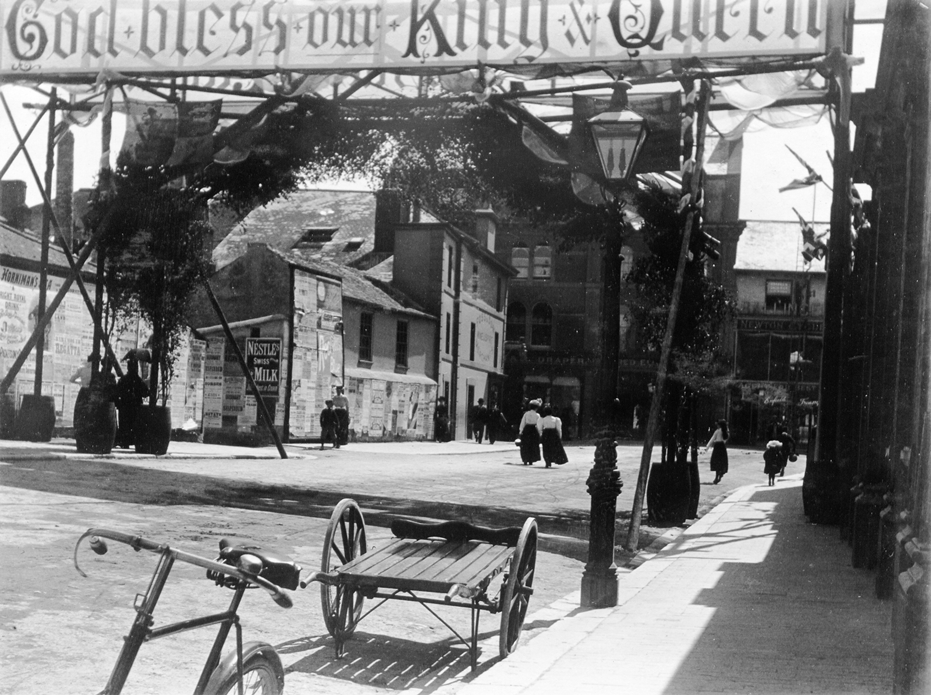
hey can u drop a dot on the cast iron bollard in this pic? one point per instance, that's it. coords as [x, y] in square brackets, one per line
[599, 581]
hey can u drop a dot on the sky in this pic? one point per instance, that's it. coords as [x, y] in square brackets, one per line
[767, 163]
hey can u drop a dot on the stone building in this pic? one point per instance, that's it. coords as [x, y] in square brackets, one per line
[422, 306]
[777, 335]
[457, 277]
[336, 327]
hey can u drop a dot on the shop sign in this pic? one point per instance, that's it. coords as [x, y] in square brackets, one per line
[263, 359]
[785, 325]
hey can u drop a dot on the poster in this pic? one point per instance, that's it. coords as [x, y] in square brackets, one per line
[213, 383]
[68, 339]
[263, 359]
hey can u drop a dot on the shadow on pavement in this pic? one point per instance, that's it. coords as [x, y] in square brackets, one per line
[564, 533]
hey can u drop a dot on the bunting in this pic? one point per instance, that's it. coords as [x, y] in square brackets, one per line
[541, 148]
[813, 176]
[812, 245]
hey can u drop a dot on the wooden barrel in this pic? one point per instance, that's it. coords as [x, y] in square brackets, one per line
[94, 421]
[152, 429]
[668, 493]
[36, 419]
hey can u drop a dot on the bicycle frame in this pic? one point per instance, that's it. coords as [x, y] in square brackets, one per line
[142, 629]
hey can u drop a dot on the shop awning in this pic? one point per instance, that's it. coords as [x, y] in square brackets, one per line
[356, 373]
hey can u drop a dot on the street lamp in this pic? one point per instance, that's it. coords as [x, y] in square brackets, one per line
[619, 134]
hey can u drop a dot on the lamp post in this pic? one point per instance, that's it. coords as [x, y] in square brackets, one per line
[618, 135]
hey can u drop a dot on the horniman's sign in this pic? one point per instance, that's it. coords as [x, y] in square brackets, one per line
[48, 37]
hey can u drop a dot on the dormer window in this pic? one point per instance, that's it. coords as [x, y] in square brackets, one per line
[354, 244]
[315, 237]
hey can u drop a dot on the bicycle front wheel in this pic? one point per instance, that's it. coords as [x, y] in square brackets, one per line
[263, 673]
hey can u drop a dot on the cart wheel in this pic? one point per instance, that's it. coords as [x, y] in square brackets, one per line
[344, 542]
[518, 587]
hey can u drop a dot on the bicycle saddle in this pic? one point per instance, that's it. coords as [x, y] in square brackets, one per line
[277, 567]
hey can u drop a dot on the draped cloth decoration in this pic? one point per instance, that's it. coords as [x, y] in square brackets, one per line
[755, 92]
[159, 133]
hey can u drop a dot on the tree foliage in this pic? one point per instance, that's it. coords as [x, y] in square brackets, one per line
[704, 304]
[155, 258]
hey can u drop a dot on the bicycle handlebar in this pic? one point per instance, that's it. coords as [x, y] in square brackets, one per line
[139, 543]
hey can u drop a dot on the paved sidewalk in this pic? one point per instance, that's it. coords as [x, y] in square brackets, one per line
[749, 599]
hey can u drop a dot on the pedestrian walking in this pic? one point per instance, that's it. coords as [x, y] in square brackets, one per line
[329, 424]
[479, 417]
[441, 421]
[772, 459]
[496, 423]
[550, 428]
[341, 406]
[529, 434]
[787, 452]
[718, 446]
[130, 390]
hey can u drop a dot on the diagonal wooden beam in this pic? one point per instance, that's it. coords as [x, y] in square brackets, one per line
[21, 146]
[359, 84]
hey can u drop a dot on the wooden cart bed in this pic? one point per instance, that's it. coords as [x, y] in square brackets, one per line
[455, 559]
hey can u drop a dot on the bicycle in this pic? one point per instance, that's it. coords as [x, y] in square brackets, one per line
[253, 667]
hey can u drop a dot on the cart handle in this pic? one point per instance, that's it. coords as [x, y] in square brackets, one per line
[99, 546]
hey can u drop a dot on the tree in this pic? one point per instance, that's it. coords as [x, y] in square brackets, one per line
[155, 260]
[695, 366]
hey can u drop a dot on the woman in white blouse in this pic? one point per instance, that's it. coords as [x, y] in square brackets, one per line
[529, 434]
[550, 428]
[718, 446]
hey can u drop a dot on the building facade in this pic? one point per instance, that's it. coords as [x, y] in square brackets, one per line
[338, 329]
[457, 277]
[777, 334]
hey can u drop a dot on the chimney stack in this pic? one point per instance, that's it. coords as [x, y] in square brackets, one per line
[64, 186]
[390, 210]
[486, 227]
[13, 203]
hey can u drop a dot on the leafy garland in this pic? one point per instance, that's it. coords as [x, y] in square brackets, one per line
[450, 158]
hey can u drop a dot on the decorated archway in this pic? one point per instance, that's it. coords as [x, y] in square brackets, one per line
[311, 67]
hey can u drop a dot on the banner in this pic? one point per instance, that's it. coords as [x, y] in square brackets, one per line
[267, 36]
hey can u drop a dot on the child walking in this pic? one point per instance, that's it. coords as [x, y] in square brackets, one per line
[328, 426]
[772, 460]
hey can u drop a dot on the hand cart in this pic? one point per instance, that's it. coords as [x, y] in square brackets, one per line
[456, 560]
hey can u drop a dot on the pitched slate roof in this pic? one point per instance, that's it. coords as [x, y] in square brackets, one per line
[284, 222]
[356, 287]
[24, 245]
[775, 245]
[345, 217]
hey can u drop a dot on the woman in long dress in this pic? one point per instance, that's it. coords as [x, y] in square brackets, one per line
[550, 428]
[718, 446]
[530, 435]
